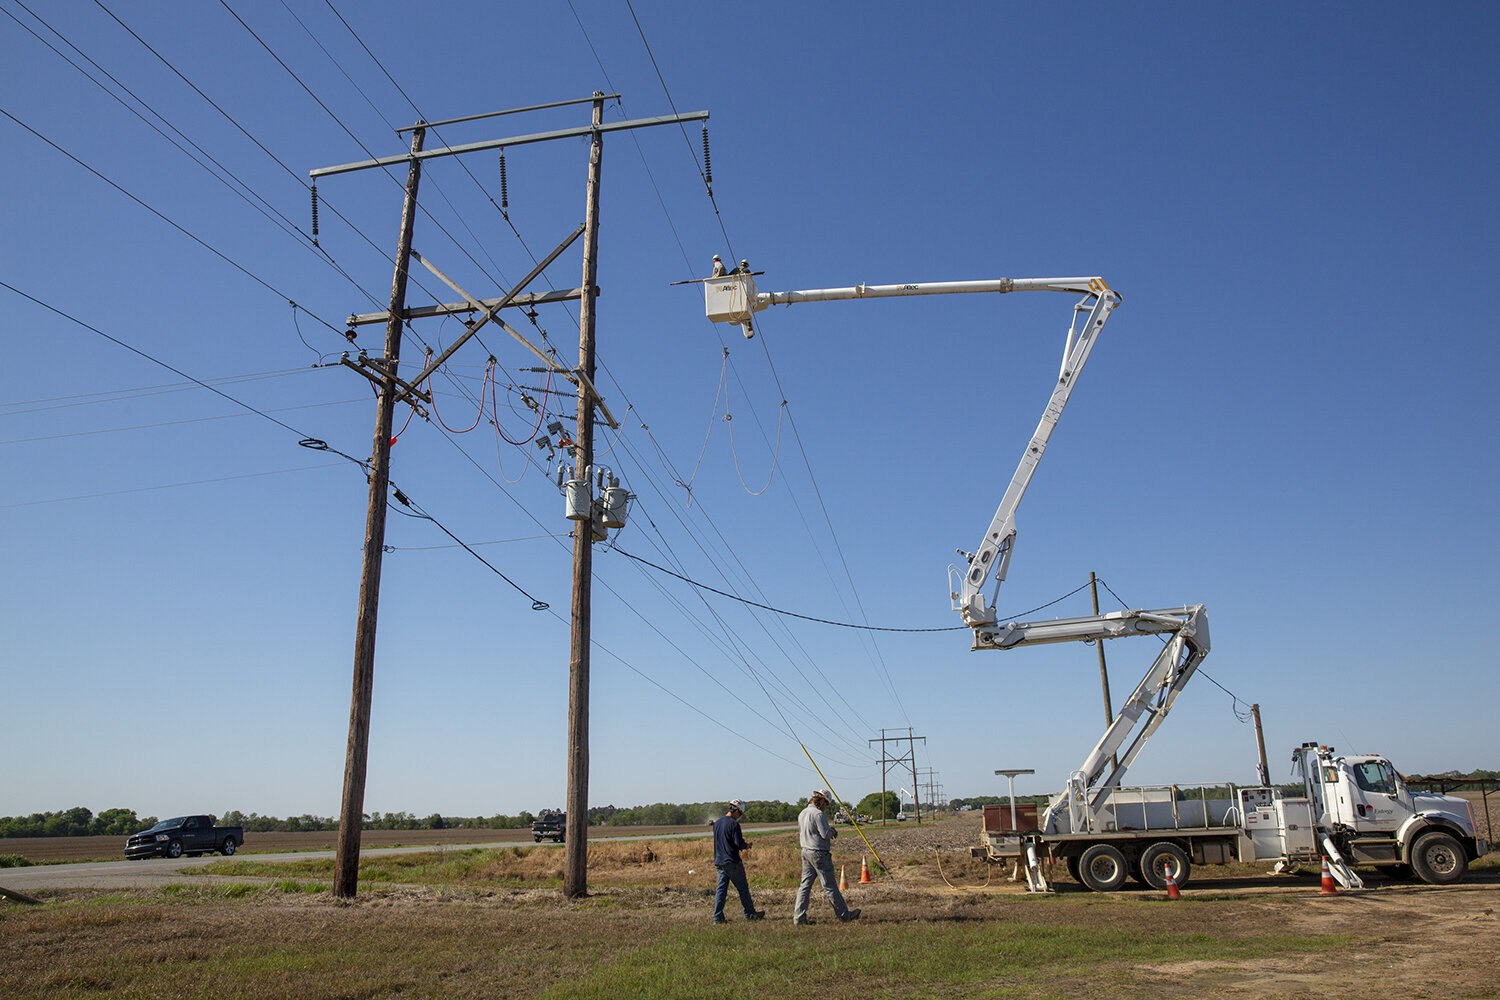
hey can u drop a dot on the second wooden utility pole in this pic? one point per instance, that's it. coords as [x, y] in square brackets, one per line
[352, 809]
[575, 871]
[1109, 711]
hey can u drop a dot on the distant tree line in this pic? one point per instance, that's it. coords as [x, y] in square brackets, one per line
[80, 822]
[75, 822]
[688, 813]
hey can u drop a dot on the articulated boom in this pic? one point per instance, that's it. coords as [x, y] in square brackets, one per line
[1141, 714]
[733, 298]
[994, 552]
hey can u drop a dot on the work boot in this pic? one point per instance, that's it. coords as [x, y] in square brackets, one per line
[804, 922]
[756, 915]
[851, 915]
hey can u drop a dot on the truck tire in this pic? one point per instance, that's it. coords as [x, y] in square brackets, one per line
[1073, 869]
[1162, 857]
[1103, 868]
[174, 848]
[1439, 859]
[228, 847]
[536, 839]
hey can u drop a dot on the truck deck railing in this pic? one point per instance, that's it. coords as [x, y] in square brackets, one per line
[1158, 807]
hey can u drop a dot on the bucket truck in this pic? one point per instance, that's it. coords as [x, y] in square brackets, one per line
[1356, 810]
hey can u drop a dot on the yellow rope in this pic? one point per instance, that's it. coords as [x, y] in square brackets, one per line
[989, 873]
[847, 811]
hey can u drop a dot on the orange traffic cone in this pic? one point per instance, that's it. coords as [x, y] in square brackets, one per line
[843, 882]
[1172, 891]
[1328, 887]
[864, 871]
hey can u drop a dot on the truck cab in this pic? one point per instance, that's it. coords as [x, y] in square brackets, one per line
[1375, 819]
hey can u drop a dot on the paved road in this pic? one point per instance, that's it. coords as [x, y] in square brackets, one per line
[152, 872]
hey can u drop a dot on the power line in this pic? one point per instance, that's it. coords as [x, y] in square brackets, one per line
[305, 440]
[782, 611]
[168, 486]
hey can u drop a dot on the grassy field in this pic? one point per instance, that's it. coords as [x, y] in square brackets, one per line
[277, 941]
[468, 923]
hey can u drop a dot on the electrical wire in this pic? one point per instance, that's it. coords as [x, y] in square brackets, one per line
[305, 440]
[782, 611]
[1243, 715]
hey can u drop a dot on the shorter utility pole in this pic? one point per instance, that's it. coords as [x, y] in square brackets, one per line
[1109, 712]
[1260, 744]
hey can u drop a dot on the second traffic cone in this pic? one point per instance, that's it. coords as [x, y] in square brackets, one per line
[1172, 891]
[1328, 887]
[864, 870]
[843, 882]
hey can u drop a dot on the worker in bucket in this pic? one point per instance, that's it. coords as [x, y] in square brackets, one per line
[729, 841]
[816, 835]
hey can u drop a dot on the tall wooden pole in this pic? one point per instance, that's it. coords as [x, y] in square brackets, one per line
[1109, 711]
[352, 810]
[575, 873]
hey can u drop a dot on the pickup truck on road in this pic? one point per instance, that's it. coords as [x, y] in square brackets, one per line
[190, 835]
[550, 826]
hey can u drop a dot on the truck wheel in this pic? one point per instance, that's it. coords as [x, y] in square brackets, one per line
[1073, 869]
[1103, 868]
[1162, 858]
[174, 848]
[537, 839]
[1439, 859]
[228, 847]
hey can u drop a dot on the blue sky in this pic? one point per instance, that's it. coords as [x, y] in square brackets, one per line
[1286, 419]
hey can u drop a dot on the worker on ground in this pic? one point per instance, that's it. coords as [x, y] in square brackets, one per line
[729, 841]
[816, 835]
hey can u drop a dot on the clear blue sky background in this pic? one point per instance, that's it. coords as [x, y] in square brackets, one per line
[1289, 419]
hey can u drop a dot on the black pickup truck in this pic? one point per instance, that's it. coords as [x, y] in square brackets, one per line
[550, 826]
[190, 835]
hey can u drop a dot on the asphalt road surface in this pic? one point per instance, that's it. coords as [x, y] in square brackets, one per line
[152, 872]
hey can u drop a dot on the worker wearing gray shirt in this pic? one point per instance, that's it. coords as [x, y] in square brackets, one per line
[816, 836]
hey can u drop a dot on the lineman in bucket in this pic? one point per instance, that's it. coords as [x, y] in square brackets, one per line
[729, 841]
[816, 835]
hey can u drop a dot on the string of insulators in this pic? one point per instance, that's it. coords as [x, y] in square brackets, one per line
[708, 170]
[504, 189]
[315, 212]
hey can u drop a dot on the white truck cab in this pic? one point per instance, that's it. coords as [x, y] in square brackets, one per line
[1362, 803]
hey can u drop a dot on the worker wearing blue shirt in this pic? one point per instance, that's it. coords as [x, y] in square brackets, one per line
[729, 841]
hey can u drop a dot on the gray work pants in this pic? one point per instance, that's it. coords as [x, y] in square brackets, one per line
[818, 865]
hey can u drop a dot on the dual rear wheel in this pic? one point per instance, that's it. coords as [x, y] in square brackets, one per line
[1104, 867]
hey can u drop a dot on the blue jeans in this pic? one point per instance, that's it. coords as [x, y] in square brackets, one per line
[732, 872]
[818, 865]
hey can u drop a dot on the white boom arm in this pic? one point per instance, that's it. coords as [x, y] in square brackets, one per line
[733, 298]
[1147, 706]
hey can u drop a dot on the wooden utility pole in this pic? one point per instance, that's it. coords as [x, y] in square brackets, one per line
[1109, 712]
[391, 388]
[575, 872]
[1260, 744]
[352, 810]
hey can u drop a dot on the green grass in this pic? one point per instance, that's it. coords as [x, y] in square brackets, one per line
[907, 960]
[258, 941]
